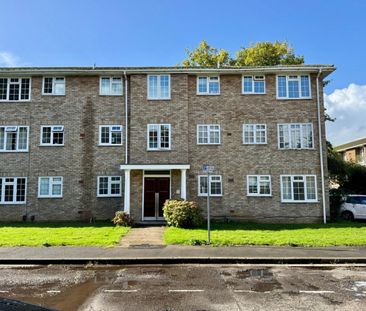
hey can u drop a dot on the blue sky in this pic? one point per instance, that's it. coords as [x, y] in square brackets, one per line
[156, 32]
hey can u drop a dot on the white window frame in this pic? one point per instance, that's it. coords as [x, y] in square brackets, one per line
[159, 97]
[110, 182]
[53, 130]
[255, 130]
[110, 134]
[254, 79]
[51, 183]
[209, 130]
[159, 148]
[258, 194]
[288, 78]
[17, 142]
[110, 93]
[53, 86]
[305, 189]
[20, 89]
[200, 194]
[301, 136]
[208, 85]
[14, 183]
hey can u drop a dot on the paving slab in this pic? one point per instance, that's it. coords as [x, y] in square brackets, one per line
[144, 236]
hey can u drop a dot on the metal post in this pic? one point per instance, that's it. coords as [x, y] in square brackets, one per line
[208, 209]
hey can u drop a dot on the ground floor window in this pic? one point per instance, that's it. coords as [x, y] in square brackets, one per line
[259, 185]
[109, 186]
[12, 190]
[298, 188]
[50, 187]
[214, 186]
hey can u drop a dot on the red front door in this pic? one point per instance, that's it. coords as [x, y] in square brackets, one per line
[156, 192]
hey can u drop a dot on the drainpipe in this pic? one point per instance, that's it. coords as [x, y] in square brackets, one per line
[126, 117]
[321, 146]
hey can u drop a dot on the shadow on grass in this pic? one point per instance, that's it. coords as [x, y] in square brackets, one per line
[278, 227]
[61, 224]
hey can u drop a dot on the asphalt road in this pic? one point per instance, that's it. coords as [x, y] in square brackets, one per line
[187, 287]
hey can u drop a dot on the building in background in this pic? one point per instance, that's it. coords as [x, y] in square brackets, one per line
[354, 151]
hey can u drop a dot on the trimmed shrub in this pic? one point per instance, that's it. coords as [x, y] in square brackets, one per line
[123, 219]
[182, 214]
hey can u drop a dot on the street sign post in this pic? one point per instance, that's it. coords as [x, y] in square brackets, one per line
[208, 169]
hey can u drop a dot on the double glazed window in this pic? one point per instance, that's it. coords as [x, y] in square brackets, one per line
[110, 86]
[52, 135]
[159, 136]
[290, 87]
[298, 188]
[13, 138]
[295, 136]
[214, 186]
[53, 86]
[254, 134]
[208, 85]
[14, 89]
[254, 85]
[259, 185]
[50, 187]
[110, 135]
[158, 87]
[12, 190]
[208, 134]
[109, 186]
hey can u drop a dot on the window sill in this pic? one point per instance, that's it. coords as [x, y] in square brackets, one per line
[49, 197]
[14, 151]
[109, 196]
[54, 95]
[299, 202]
[116, 145]
[158, 150]
[43, 145]
[296, 149]
[159, 98]
[113, 95]
[207, 94]
[259, 195]
[211, 195]
[16, 101]
[208, 144]
[12, 203]
[253, 93]
[260, 144]
[299, 98]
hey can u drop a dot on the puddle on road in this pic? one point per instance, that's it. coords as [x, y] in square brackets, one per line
[254, 273]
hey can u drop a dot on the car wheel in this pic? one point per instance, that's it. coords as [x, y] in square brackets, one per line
[347, 215]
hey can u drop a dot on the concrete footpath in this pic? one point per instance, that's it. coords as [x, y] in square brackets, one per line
[155, 254]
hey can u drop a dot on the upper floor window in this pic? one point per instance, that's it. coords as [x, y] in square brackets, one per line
[295, 136]
[298, 188]
[208, 134]
[259, 185]
[15, 89]
[290, 87]
[254, 85]
[53, 86]
[13, 138]
[110, 135]
[159, 136]
[110, 86]
[254, 134]
[12, 190]
[208, 85]
[158, 87]
[214, 186]
[50, 187]
[52, 135]
[109, 186]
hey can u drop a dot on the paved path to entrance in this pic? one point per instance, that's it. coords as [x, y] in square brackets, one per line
[144, 237]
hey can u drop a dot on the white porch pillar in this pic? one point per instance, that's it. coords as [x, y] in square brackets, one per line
[127, 191]
[183, 184]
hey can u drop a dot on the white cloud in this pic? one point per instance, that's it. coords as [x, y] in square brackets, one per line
[348, 106]
[8, 60]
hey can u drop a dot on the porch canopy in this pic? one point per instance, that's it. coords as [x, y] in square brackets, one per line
[152, 167]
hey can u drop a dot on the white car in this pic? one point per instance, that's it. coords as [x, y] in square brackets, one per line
[354, 207]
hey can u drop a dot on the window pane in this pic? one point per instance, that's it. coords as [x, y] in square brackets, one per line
[153, 86]
[213, 86]
[281, 86]
[46, 135]
[260, 134]
[117, 86]
[307, 134]
[203, 185]
[258, 86]
[20, 196]
[264, 185]
[11, 140]
[215, 187]
[202, 134]
[104, 135]
[44, 186]
[58, 138]
[299, 188]
[56, 189]
[47, 86]
[116, 138]
[202, 85]
[3, 88]
[164, 86]
[9, 190]
[153, 137]
[2, 138]
[25, 88]
[252, 184]
[60, 87]
[14, 91]
[286, 188]
[295, 136]
[103, 185]
[164, 136]
[105, 86]
[293, 89]
[22, 140]
[249, 134]
[310, 187]
[248, 86]
[305, 86]
[283, 135]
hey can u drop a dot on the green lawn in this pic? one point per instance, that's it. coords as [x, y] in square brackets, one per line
[60, 234]
[316, 235]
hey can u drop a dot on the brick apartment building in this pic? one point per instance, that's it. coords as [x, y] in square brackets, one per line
[353, 151]
[82, 142]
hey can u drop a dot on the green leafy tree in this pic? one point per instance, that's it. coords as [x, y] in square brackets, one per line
[268, 54]
[206, 56]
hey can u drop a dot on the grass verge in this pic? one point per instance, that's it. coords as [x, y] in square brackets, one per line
[60, 234]
[314, 235]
